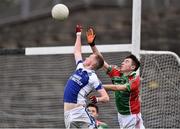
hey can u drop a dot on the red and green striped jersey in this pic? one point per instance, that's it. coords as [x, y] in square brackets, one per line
[101, 125]
[127, 102]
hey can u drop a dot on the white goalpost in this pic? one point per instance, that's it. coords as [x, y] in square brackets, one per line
[136, 28]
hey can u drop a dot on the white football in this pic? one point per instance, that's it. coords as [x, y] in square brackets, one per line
[60, 12]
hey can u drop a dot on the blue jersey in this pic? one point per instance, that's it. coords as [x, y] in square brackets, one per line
[80, 84]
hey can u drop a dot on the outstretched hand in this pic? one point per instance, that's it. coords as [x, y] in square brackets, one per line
[93, 99]
[78, 28]
[90, 35]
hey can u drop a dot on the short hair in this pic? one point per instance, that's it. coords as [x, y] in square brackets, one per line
[93, 105]
[99, 62]
[135, 61]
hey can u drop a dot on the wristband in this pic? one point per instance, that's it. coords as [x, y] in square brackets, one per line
[92, 44]
[78, 33]
[97, 99]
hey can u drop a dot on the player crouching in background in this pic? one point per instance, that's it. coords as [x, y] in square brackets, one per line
[94, 110]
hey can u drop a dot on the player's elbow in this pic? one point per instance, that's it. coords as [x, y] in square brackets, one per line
[106, 98]
[77, 54]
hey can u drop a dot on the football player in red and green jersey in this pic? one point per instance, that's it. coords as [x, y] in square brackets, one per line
[126, 86]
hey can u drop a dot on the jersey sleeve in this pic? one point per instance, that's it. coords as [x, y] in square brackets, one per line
[97, 83]
[128, 86]
[135, 83]
[112, 71]
[79, 64]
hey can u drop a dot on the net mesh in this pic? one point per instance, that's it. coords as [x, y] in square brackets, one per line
[160, 91]
[31, 91]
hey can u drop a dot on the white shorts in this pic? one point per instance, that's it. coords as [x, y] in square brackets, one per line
[78, 118]
[133, 121]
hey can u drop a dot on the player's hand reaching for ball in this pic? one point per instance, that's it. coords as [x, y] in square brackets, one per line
[78, 29]
[90, 35]
[93, 99]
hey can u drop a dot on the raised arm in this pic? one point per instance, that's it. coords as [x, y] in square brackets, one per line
[90, 35]
[96, 51]
[77, 46]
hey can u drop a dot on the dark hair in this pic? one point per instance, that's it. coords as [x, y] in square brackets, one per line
[93, 105]
[100, 62]
[135, 61]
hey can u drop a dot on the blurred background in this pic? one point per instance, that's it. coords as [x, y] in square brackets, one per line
[28, 23]
[31, 91]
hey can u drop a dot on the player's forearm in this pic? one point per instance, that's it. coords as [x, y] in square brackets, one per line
[113, 87]
[96, 51]
[77, 47]
[103, 98]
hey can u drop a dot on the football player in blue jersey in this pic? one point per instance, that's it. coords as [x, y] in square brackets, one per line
[82, 81]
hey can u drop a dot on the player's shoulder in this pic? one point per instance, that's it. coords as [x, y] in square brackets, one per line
[113, 68]
[79, 64]
[92, 74]
[135, 77]
[94, 78]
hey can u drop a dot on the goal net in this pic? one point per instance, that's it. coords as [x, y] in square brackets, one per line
[31, 91]
[160, 73]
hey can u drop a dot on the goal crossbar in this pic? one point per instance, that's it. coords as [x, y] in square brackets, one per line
[70, 49]
[146, 52]
[87, 49]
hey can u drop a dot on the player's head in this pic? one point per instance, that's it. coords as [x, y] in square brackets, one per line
[93, 109]
[130, 63]
[94, 61]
